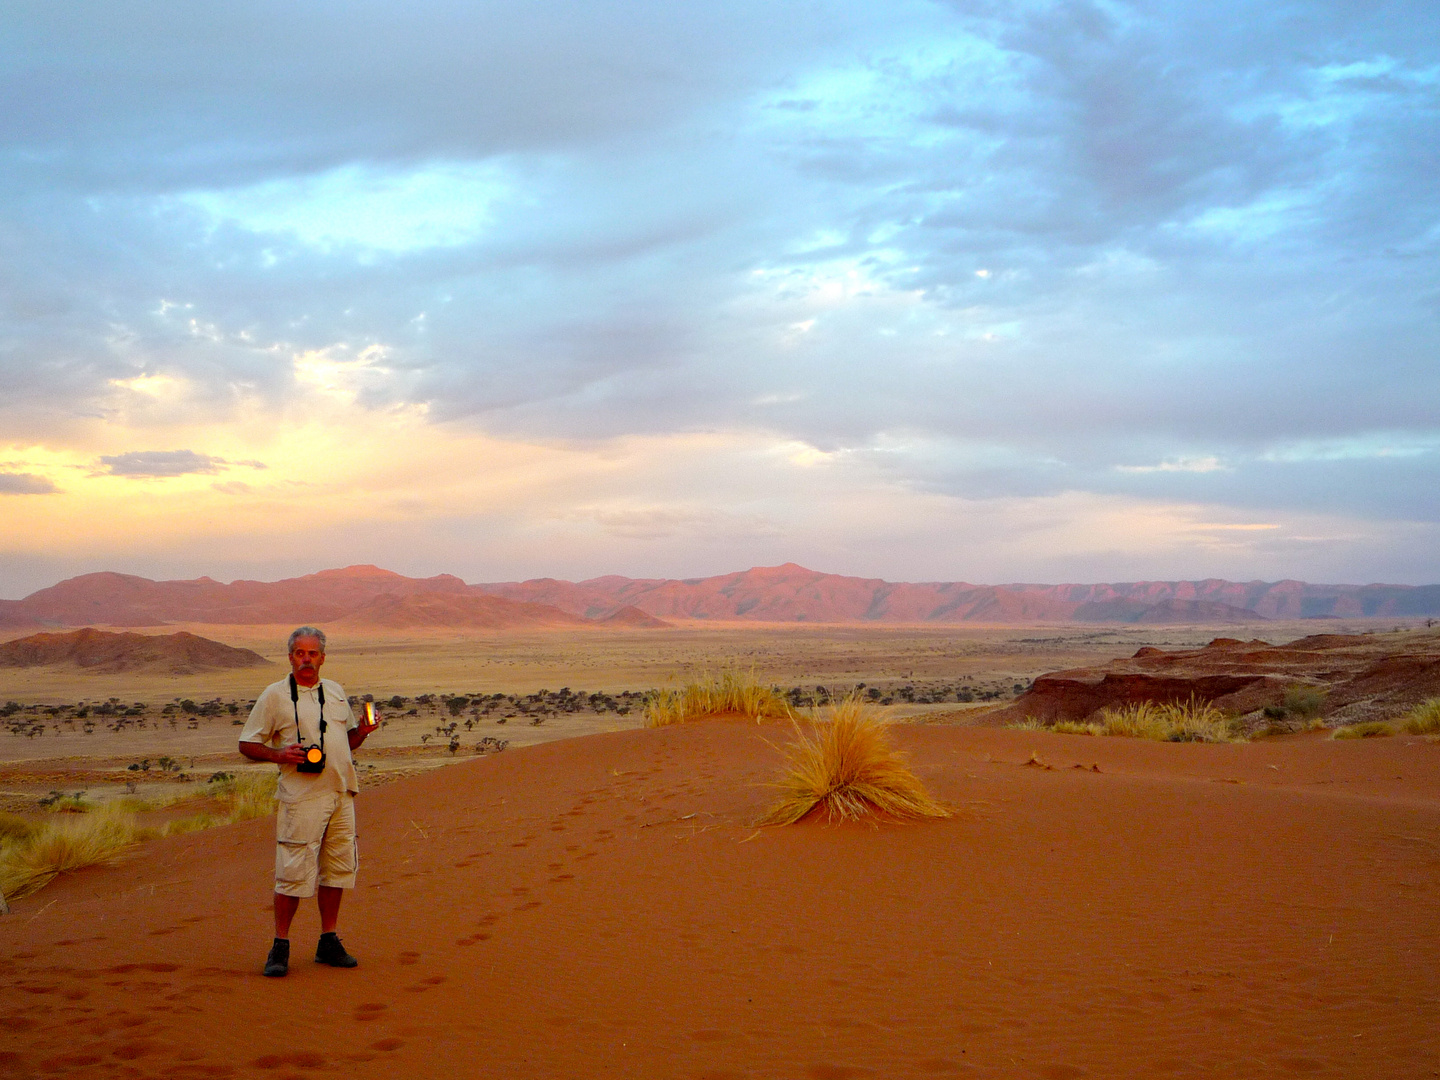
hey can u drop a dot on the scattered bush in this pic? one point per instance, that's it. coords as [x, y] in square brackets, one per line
[1371, 729]
[1303, 701]
[845, 768]
[730, 692]
[1424, 719]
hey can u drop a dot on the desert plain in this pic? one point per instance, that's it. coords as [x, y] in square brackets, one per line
[596, 899]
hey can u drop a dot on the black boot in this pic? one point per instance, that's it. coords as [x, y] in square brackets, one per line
[331, 952]
[278, 962]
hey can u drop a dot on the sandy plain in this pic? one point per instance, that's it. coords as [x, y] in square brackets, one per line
[604, 906]
[63, 753]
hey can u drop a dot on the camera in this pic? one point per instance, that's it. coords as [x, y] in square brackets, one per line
[314, 760]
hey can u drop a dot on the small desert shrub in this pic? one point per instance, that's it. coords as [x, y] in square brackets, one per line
[732, 691]
[1424, 719]
[1303, 701]
[1028, 724]
[1371, 729]
[61, 844]
[845, 768]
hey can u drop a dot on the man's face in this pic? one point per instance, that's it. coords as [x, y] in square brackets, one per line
[305, 660]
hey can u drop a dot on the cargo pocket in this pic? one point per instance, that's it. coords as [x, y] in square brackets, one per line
[298, 831]
[294, 864]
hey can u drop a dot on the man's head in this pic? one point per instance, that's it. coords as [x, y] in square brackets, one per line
[307, 653]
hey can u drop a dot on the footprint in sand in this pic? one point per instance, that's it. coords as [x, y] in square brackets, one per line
[369, 1010]
[409, 957]
[301, 1059]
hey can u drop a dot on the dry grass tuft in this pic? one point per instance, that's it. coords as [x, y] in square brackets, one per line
[845, 768]
[250, 795]
[731, 692]
[14, 827]
[1371, 729]
[64, 843]
[32, 855]
[1181, 721]
[1424, 719]
[1077, 727]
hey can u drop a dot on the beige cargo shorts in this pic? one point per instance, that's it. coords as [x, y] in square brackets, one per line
[315, 844]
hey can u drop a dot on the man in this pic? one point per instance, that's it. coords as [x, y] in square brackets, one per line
[295, 723]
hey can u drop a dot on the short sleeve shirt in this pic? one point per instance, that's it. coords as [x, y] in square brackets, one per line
[272, 723]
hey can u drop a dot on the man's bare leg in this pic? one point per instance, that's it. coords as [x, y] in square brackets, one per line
[329, 898]
[285, 908]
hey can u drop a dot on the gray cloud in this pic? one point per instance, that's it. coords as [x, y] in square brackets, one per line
[161, 463]
[25, 484]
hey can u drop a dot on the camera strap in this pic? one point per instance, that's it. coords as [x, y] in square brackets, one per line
[295, 704]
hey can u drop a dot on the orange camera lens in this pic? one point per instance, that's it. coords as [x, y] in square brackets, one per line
[313, 754]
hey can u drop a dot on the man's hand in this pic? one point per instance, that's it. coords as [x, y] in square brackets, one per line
[290, 755]
[357, 734]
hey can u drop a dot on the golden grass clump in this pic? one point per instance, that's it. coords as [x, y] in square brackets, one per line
[730, 692]
[1371, 729]
[846, 768]
[1077, 727]
[64, 843]
[1424, 719]
[251, 794]
[1180, 721]
[33, 854]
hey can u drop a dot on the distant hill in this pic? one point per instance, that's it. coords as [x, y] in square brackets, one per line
[104, 653]
[791, 593]
[369, 596]
[354, 596]
[458, 610]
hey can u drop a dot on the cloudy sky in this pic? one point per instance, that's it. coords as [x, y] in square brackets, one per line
[920, 290]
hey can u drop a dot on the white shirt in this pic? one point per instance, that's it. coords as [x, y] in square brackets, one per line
[272, 723]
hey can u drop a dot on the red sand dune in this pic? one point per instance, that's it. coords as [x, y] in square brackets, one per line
[602, 907]
[1365, 677]
[632, 618]
[104, 653]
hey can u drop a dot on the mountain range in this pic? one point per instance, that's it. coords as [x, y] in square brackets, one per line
[371, 597]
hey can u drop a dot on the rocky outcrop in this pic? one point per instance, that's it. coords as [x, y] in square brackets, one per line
[1362, 676]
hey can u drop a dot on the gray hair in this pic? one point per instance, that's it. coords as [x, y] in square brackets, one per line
[304, 631]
